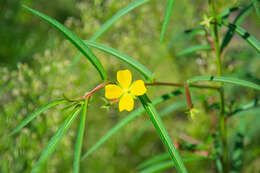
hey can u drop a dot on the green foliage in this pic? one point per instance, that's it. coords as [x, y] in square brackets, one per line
[116, 17]
[132, 116]
[135, 64]
[74, 40]
[80, 136]
[167, 17]
[156, 120]
[225, 80]
[35, 114]
[161, 166]
[137, 34]
[54, 141]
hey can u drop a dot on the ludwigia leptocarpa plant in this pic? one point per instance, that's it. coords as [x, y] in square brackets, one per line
[124, 92]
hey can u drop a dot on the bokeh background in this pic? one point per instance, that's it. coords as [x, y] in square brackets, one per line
[35, 68]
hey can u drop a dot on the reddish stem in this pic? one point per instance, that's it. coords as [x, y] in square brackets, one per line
[93, 91]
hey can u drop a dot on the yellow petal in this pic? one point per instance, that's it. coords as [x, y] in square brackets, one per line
[138, 88]
[124, 78]
[126, 103]
[113, 91]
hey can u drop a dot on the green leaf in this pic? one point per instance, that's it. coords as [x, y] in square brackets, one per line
[111, 21]
[246, 107]
[132, 116]
[158, 124]
[116, 17]
[154, 160]
[79, 141]
[79, 44]
[169, 164]
[195, 31]
[231, 31]
[228, 11]
[130, 61]
[176, 105]
[166, 19]
[244, 34]
[194, 49]
[53, 143]
[256, 5]
[230, 80]
[35, 114]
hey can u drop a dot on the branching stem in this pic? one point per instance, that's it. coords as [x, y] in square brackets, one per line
[182, 85]
[222, 117]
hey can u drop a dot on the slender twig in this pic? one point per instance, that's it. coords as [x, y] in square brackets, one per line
[182, 85]
[93, 91]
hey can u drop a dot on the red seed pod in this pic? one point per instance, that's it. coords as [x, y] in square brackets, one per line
[188, 97]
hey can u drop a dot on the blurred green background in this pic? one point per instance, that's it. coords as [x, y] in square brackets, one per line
[35, 60]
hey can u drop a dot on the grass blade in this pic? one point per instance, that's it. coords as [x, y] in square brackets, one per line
[227, 12]
[130, 61]
[166, 19]
[79, 141]
[154, 160]
[230, 80]
[79, 44]
[193, 49]
[194, 31]
[158, 124]
[245, 107]
[132, 116]
[116, 17]
[231, 31]
[257, 10]
[53, 143]
[176, 105]
[244, 34]
[169, 164]
[35, 114]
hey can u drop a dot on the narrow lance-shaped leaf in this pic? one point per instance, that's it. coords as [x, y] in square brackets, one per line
[166, 19]
[132, 116]
[79, 44]
[116, 17]
[231, 31]
[53, 143]
[169, 164]
[154, 160]
[130, 61]
[257, 10]
[35, 114]
[244, 34]
[225, 80]
[228, 11]
[176, 105]
[158, 124]
[244, 107]
[194, 31]
[80, 136]
[194, 49]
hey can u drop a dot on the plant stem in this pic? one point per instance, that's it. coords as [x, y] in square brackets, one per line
[223, 132]
[93, 91]
[222, 122]
[182, 85]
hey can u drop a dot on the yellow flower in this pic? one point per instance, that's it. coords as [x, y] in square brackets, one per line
[125, 91]
[193, 112]
[206, 20]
